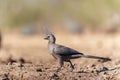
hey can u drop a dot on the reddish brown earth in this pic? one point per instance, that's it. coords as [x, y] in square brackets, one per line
[39, 65]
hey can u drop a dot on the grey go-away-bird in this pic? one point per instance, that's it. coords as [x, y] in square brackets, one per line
[63, 53]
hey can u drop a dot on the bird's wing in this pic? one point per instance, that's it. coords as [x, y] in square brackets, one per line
[65, 51]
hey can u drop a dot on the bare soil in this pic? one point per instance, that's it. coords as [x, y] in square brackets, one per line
[39, 65]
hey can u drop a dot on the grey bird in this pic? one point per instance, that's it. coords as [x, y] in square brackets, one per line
[63, 53]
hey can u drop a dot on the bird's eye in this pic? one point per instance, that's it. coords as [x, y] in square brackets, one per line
[48, 36]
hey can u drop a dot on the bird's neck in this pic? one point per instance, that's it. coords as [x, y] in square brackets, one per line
[50, 46]
[51, 42]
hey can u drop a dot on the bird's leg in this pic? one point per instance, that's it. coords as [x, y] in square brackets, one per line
[61, 63]
[71, 65]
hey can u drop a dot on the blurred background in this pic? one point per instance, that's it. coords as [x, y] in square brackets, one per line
[91, 26]
[62, 13]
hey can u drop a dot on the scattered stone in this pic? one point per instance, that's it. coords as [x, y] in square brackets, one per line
[104, 69]
[5, 77]
[93, 65]
[39, 70]
[105, 73]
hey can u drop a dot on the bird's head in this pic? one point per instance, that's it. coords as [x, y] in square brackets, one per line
[49, 35]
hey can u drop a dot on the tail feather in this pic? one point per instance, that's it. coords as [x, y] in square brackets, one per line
[96, 57]
[90, 56]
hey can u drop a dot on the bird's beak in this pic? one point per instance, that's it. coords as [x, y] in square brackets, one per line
[46, 38]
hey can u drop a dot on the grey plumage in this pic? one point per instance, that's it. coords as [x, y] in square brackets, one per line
[63, 53]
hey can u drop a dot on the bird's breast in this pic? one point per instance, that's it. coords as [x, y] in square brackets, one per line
[51, 49]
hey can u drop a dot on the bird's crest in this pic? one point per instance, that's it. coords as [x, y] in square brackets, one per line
[47, 30]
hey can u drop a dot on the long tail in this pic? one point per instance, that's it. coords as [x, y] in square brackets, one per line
[90, 56]
[96, 57]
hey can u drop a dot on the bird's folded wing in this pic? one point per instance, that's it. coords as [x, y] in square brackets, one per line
[65, 51]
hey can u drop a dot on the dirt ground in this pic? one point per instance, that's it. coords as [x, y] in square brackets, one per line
[39, 65]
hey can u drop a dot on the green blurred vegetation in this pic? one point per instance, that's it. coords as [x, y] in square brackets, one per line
[21, 12]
